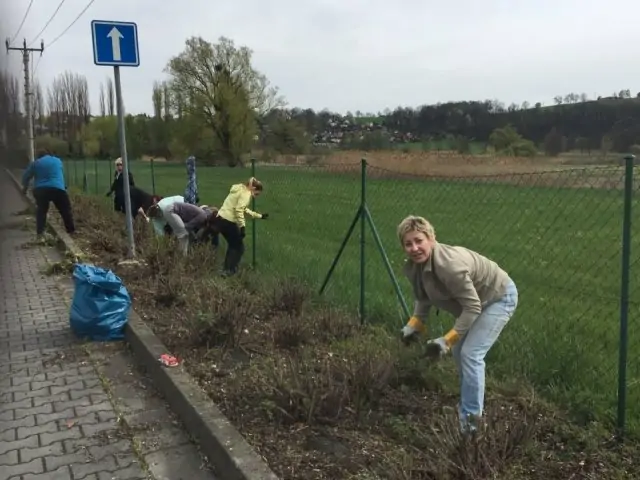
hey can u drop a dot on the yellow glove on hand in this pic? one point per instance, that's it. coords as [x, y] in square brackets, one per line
[441, 346]
[411, 329]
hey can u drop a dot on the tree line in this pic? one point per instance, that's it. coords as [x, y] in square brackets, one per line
[217, 106]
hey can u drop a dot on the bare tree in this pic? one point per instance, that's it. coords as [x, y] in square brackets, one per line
[167, 101]
[111, 100]
[156, 98]
[37, 107]
[15, 105]
[11, 118]
[103, 105]
[4, 113]
[56, 107]
[69, 108]
[178, 101]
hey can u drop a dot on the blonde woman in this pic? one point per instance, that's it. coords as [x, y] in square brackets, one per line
[471, 287]
[230, 221]
[117, 186]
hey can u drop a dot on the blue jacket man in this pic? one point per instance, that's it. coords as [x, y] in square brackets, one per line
[49, 186]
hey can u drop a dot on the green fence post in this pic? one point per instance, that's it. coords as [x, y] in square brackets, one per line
[253, 221]
[153, 177]
[363, 226]
[624, 294]
[358, 216]
[75, 172]
[341, 249]
[85, 183]
[95, 173]
[387, 263]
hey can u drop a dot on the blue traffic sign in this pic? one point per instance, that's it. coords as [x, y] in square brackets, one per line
[115, 43]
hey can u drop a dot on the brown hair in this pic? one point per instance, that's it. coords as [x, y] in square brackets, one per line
[255, 183]
[154, 211]
[42, 152]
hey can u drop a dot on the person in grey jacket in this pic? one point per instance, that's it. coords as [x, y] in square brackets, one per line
[469, 286]
[185, 219]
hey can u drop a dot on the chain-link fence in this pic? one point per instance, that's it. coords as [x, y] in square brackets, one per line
[559, 234]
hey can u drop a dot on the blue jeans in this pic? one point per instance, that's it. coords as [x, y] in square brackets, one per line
[470, 351]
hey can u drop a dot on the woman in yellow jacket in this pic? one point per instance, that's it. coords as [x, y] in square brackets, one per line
[231, 220]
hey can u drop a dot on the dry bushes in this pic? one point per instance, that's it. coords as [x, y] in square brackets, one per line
[444, 163]
[321, 397]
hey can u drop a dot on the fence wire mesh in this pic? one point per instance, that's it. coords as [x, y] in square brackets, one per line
[557, 233]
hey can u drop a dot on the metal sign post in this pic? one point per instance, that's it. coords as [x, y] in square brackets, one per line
[116, 44]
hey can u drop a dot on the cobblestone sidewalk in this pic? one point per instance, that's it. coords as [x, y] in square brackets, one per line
[71, 411]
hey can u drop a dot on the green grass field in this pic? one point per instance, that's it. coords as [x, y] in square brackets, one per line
[560, 245]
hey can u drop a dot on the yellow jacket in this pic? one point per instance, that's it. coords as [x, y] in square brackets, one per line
[235, 206]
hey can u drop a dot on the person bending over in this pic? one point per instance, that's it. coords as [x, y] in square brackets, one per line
[141, 202]
[230, 221]
[155, 213]
[48, 187]
[209, 233]
[474, 289]
[185, 219]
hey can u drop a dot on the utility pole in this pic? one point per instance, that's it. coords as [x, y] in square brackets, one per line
[26, 52]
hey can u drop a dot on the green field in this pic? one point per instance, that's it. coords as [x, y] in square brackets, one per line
[561, 245]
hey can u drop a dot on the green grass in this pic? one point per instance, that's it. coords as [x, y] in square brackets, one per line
[560, 245]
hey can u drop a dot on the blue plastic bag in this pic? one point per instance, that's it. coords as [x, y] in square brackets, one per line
[100, 308]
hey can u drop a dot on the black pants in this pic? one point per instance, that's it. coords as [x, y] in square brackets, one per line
[118, 203]
[60, 199]
[235, 244]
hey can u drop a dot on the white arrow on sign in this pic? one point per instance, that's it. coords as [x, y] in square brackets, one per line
[115, 37]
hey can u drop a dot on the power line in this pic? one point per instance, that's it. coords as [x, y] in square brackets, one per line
[35, 69]
[72, 24]
[48, 22]
[22, 23]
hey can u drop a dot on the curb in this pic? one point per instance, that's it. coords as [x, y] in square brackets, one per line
[229, 453]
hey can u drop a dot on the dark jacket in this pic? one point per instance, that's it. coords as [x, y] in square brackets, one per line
[139, 199]
[117, 186]
[194, 217]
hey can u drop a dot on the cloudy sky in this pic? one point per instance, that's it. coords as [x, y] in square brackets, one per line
[363, 55]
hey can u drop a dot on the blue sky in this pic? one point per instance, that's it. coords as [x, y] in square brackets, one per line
[364, 55]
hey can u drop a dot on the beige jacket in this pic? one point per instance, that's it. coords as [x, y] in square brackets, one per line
[464, 282]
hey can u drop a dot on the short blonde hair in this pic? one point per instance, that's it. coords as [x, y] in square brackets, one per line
[414, 223]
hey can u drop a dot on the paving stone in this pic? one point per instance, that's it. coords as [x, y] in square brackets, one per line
[34, 466]
[17, 444]
[9, 458]
[40, 409]
[28, 454]
[62, 473]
